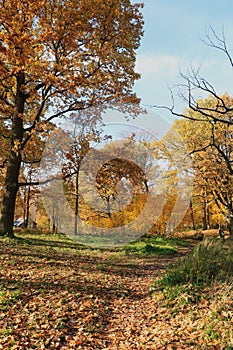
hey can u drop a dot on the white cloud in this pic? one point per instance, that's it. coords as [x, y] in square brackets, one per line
[157, 73]
[148, 65]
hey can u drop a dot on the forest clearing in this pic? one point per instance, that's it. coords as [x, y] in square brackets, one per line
[116, 222]
[56, 294]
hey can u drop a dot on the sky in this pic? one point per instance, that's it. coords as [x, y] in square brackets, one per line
[173, 39]
[174, 34]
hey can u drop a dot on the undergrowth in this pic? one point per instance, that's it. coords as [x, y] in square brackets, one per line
[210, 261]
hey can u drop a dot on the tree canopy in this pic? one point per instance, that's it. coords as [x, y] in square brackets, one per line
[57, 57]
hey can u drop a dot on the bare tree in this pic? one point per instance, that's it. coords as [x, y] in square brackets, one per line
[195, 91]
[194, 84]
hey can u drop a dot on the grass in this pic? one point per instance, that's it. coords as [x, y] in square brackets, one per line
[155, 245]
[197, 293]
[144, 246]
[210, 261]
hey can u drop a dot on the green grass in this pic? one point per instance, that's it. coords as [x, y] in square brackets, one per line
[208, 262]
[154, 246]
[8, 298]
[144, 246]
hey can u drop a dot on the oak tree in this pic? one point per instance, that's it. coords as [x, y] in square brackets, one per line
[59, 56]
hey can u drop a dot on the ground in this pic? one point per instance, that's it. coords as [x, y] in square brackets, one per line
[55, 295]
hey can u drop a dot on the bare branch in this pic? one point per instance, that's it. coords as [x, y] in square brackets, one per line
[218, 42]
[194, 88]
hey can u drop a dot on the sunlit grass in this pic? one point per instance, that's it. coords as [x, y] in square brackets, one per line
[144, 246]
[210, 261]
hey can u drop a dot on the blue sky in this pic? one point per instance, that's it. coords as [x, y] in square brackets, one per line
[173, 39]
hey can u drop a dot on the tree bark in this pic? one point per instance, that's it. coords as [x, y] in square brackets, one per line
[14, 162]
[204, 210]
[76, 203]
[9, 197]
[26, 221]
[229, 219]
[204, 217]
[192, 214]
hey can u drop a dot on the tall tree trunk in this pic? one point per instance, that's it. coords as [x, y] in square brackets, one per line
[204, 210]
[27, 207]
[108, 206]
[192, 214]
[53, 219]
[76, 218]
[14, 162]
[204, 217]
[229, 219]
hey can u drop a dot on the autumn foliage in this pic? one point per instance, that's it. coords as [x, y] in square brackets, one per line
[58, 57]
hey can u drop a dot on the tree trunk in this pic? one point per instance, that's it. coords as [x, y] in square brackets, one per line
[27, 207]
[53, 219]
[192, 214]
[204, 217]
[76, 203]
[14, 162]
[108, 206]
[204, 210]
[9, 197]
[229, 219]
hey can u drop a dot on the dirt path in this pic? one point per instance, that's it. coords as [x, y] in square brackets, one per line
[50, 300]
[136, 322]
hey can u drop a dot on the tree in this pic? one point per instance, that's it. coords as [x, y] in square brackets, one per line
[211, 147]
[195, 89]
[59, 56]
[84, 141]
[120, 183]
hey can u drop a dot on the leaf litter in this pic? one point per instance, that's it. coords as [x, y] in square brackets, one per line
[77, 299]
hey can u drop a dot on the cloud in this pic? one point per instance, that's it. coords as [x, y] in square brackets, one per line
[148, 65]
[157, 73]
